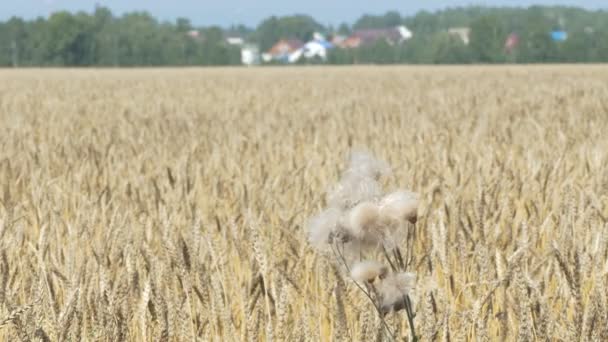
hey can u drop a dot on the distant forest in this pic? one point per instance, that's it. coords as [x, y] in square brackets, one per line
[138, 39]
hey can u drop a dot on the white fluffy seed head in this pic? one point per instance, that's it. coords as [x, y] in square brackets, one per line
[363, 221]
[359, 182]
[321, 226]
[399, 206]
[352, 189]
[367, 165]
[394, 288]
[367, 271]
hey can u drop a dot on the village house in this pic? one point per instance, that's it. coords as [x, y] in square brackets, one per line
[463, 33]
[235, 40]
[512, 42]
[250, 54]
[282, 49]
[317, 48]
[559, 36]
[193, 34]
[392, 36]
[337, 39]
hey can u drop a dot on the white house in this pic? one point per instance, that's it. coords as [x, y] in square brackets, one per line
[250, 54]
[235, 41]
[316, 48]
[461, 32]
[266, 57]
[406, 34]
[193, 33]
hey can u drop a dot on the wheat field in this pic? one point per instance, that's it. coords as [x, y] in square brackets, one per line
[172, 204]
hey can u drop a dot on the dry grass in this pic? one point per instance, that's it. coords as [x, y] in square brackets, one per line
[170, 204]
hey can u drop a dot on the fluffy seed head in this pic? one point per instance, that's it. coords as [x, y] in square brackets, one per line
[368, 271]
[400, 206]
[367, 165]
[394, 288]
[321, 227]
[359, 182]
[363, 221]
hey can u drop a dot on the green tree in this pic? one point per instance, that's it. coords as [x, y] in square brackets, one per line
[580, 47]
[106, 38]
[423, 23]
[68, 39]
[389, 19]
[487, 38]
[536, 45]
[344, 29]
[183, 25]
[214, 51]
[14, 35]
[341, 56]
[447, 49]
[601, 47]
[272, 29]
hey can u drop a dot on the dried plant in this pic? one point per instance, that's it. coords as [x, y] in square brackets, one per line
[364, 222]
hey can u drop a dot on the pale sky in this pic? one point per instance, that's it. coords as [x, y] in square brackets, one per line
[251, 12]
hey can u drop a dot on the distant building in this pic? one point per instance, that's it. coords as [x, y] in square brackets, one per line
[337, 39]
[250, 54]
[406, 34]
[194, 33]
[318, 36]
[316, 48]
[238, 41]
[391, 36]
[463, 33]
[282, 49]
[559, 36]
[512, 42]
[266, 57]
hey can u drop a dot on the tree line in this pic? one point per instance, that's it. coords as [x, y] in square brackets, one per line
[138, 39]
[102, 39]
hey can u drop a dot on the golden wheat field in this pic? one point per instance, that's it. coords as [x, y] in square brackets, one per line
[172, 204]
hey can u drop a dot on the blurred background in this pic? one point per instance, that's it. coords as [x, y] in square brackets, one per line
[238, 32]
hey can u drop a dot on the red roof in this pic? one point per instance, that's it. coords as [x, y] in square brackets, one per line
[285, 46]
[512, 42]
[370, 36]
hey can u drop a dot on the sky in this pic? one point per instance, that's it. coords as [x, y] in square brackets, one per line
[251, 12]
